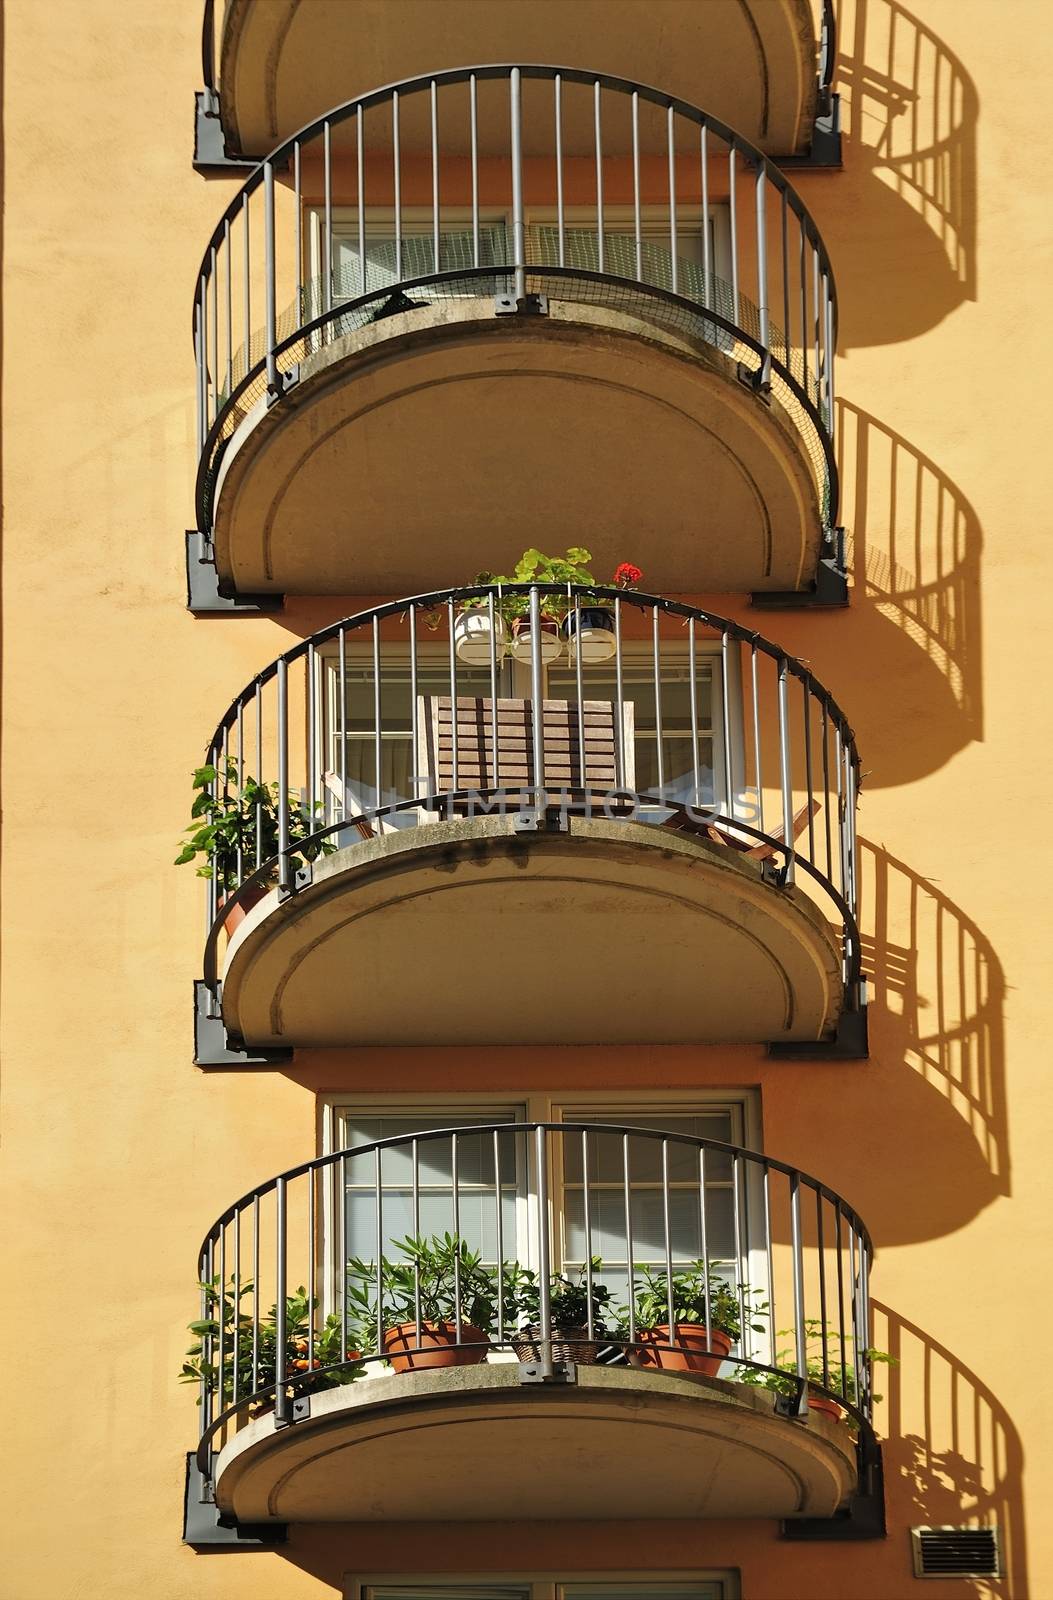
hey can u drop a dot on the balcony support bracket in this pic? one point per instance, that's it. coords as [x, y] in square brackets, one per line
[864, 1515]
[825, 149]
[212, 1044]
[548, 1372]
[205, 1528]
[285, 379]
[202, 585]
[849, 1043]
[210, 152]
[829, 589]
[529, 305]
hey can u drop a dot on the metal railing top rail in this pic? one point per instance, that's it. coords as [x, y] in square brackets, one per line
[777, 1260]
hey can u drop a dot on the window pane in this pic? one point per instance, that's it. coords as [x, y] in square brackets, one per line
[447, 1593]
[477, 1222]
[645, 1155]
[711, 1589]
[607, 1216]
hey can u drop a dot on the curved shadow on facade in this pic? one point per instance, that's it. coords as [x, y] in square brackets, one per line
[909, 115]
[952, 1454]
[916, 546]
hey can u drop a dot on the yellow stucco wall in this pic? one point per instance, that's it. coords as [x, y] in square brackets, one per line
[118, 1152]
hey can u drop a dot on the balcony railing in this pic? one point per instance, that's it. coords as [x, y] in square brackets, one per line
[776, 1256]
[666, 714]
[517, 182]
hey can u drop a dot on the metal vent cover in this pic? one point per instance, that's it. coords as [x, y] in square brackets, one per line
[950, 1552]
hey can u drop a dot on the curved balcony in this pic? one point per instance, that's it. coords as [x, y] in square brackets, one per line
[270, 69]
[570, 291]
[768, 1418]
[686, 802]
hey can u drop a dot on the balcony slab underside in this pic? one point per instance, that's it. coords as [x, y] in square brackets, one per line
[471, 931]
[473, 1444]
[750, 62]
[447, 439]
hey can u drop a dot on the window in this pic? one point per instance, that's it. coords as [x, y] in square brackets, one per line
[715, 1586]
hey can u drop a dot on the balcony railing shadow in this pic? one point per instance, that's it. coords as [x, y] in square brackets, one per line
[909, 114]
[952, 1454]
[916, 554]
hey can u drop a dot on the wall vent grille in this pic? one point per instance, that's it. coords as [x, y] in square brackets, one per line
[956, 1552]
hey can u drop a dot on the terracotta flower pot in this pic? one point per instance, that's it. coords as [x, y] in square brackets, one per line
[692, 1349]
[826, 1407]
[237, 913]
[433, 1344]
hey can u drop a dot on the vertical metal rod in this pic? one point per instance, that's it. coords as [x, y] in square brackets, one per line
[693, 675]
[670, 1312]
[587, 1217]
[818, 358]
[435, 175]
[415, 1158]
[758, 776]
[839, 769]
[762, 271]
[271, 334]
[828, 340]
[740, 1256]
[259, 772]
[865, 1387]
[802, 269]
[228, 263]
[840, 1296]
[396, 140]
[281, 1310]
[240, 768]
[327, 179]
[728, 806]
[313, 751]
[629, 1266]
[214, 281]
[379, 798]
[255, 1293]
[518, 222]
[500, 1240]
[456, 1183]
[799, 1330]
[785, 774]
[544, 1247]
[637, 226]
[658, 702]
[222, 1314]
[853, 1268]
[284, 865]
[537, 693]
[561, 221]
[342, 691]
[619, 690]
[673, 241]
[491, 613]
[820, 1250]
[379, 1192]
[311, 1295]
[414, 708]
[236, 1331]
[473, 120]
[454, 741]
[207, 1310]
[247, 289]
[806, 696]
[704, 1245]
[580, 688]
[732, 208]
[707, 257]
[342, 1274]
[852, 895]
[302, 314]
[199, 358]
[772, 1324]
[597, 119]
[785, 222]
[360, 124]
[826, 794]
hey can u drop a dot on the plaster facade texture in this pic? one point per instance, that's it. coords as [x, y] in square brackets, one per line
[118, 1152]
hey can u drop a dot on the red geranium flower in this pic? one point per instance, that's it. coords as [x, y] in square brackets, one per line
[626, 576]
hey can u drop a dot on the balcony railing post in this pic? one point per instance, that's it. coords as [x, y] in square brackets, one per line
[515, 91]
[284, 864]
[544, 1250]
[785, 773]
[537, 695]
[281, 1305]
[762, 275]
[271, 314]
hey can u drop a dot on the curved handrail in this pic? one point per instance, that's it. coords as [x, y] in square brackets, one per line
[743, 740]
[774, 251]
[792, 1250]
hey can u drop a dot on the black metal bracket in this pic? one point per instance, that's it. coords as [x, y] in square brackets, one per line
[825, 149]
[755, 379]
[202, 585]
[829, 589]
[531, 305]
[205, 1527]
[287, 1413]
[849, 1043]
[555, 1372]
[212, 1044]
[864, 1515]
[210, 152]
[287, 378]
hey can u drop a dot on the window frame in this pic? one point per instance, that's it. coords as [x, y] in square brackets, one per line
[542, 1586]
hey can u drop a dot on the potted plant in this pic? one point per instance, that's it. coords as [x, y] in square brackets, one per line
[473, 636]
[223, 833]
[308, 1364]
[700, 1335]
[591, 629]
[569, 1302]
[448, 1283]
[839, 1377]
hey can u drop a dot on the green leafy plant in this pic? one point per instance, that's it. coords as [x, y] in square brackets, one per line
[440, 1274]
[534, 567]
[688, 1287]
[310, 1371]
[569, 1298]
[840, 1381]
[224, 820]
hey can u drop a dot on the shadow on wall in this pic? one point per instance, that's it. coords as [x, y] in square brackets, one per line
[952, 1454]
[916, 548]
[909, 113]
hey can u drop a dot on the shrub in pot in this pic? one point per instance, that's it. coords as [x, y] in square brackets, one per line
[569, 1303]
[438, 1304]
[823, 1388]
[700, 1335]
[310, 1365]
[226, 817]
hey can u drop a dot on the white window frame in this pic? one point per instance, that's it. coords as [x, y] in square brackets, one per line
[540, 1586]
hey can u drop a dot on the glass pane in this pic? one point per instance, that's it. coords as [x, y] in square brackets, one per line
[607, 1215]
[645, 1155]
[416, 1592]
[478, 1221]
[711, 1589]
[475, 1152]
[456, 253]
